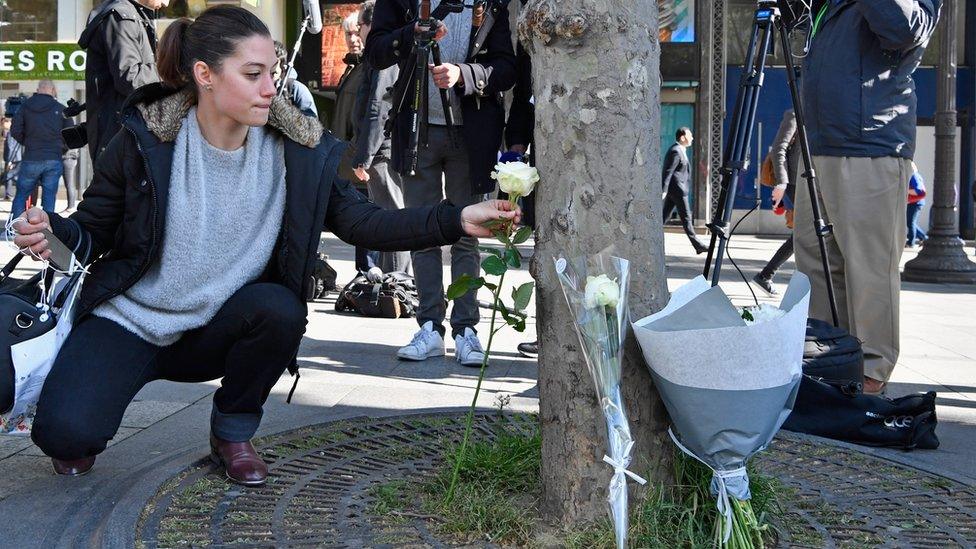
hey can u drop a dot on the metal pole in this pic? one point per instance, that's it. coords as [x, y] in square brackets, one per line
[943, 258]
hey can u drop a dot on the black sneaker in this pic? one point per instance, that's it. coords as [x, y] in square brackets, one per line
[529, 349]
[766, 284]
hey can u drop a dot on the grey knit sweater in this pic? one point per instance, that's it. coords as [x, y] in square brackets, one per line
[224, 213]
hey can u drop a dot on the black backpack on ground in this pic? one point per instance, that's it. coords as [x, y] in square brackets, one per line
[323, 279]
[395, 296]
[831, 403]
[822, 409]
[832, 354]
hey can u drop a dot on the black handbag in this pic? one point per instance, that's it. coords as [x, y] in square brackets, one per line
[21, 319]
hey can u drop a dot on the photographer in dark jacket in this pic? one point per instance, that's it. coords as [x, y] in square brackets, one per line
[859, 101]
[120, 42]
[478, 65]
[203, 219]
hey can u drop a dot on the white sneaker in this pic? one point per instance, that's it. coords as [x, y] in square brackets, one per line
[425, 344]
[468, 349]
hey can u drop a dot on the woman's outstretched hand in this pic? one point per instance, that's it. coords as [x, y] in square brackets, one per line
[28, 227]
[476, 216]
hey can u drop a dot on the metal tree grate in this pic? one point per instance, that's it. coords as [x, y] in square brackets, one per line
[322, 480]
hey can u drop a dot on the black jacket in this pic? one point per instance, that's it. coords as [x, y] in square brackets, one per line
[38, 126]
[520, 127]
[488, 72]
[120, 41]
[122, 217]
[373, 104]
[675, 171]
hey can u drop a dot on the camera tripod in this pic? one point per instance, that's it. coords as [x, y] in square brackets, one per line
[415, 78]
[766, 23]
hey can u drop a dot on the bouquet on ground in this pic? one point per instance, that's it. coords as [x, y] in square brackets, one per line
[596, 291]
[729, 379]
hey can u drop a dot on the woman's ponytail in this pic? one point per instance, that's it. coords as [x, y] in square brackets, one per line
[171, 62]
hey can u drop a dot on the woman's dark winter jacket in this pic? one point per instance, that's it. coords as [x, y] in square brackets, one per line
[488, 72]
[123, 214]
[120, 41]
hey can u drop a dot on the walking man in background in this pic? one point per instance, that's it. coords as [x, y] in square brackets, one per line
[38, 126]
[674, 180]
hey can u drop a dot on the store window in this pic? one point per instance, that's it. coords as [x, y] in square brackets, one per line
[28, 20]
[676, 20]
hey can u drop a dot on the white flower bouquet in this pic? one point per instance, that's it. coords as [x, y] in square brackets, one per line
[729, 379]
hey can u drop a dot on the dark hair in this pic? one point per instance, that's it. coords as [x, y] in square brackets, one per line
[211, 38]
[366, 12]
[682, 131]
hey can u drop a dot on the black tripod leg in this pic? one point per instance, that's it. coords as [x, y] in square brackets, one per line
[822, 228]
[445, 100]
[743, 122]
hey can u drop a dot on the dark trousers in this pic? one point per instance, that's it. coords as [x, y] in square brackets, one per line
[782, 254]
[442, 172]
[249, 343]
[679, 201]
[365, 259]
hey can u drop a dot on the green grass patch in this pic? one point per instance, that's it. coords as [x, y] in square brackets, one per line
[499, 488]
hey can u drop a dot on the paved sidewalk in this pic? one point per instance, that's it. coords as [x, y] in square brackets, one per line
[349, 369]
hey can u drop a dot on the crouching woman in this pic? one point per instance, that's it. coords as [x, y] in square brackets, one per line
[203, 219]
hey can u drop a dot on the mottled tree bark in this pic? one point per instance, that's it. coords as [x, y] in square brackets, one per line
[597, 93]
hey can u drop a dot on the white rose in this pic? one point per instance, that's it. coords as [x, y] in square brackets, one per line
[515, 178]
[601, 292]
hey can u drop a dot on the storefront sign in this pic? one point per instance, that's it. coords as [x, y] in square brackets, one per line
[41, 60]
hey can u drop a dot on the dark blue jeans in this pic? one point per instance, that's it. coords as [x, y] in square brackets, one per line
[47, 173]
[249, 343]
[915, 233]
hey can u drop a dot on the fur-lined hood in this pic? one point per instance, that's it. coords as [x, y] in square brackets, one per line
[164, 118]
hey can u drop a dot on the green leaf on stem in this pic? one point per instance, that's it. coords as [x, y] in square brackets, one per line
[493, 251]
[463, 285]
[522, 235]
[491, 286]
[502, 235]
[522, 295]
[513, 258]
[493, 265]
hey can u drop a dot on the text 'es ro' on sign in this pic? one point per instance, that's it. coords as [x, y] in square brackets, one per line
[40, 60]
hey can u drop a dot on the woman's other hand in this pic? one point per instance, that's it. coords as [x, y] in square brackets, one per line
[475, 216]
[29, 226]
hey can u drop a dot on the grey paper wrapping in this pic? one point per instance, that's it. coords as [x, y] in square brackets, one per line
[727, 386]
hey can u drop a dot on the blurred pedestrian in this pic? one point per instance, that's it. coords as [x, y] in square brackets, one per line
[675, 177]
[916, 201]
[38, 126]
[120, 45]
[784, 156]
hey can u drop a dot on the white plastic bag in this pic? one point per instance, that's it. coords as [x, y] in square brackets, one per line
[32, 359]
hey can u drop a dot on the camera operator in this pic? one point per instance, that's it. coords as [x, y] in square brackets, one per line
[120, 41]
[478, 64]
[859, 101]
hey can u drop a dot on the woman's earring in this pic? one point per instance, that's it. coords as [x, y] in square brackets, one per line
[208, 87]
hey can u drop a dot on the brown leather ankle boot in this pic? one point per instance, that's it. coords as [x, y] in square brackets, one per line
[241, 462]
[73, 467]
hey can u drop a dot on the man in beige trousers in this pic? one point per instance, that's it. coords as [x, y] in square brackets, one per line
[860, 104]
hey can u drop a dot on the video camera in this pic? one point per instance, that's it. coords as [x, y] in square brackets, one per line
[75, 137]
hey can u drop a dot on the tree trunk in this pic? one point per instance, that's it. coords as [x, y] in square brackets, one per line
[597, 94]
